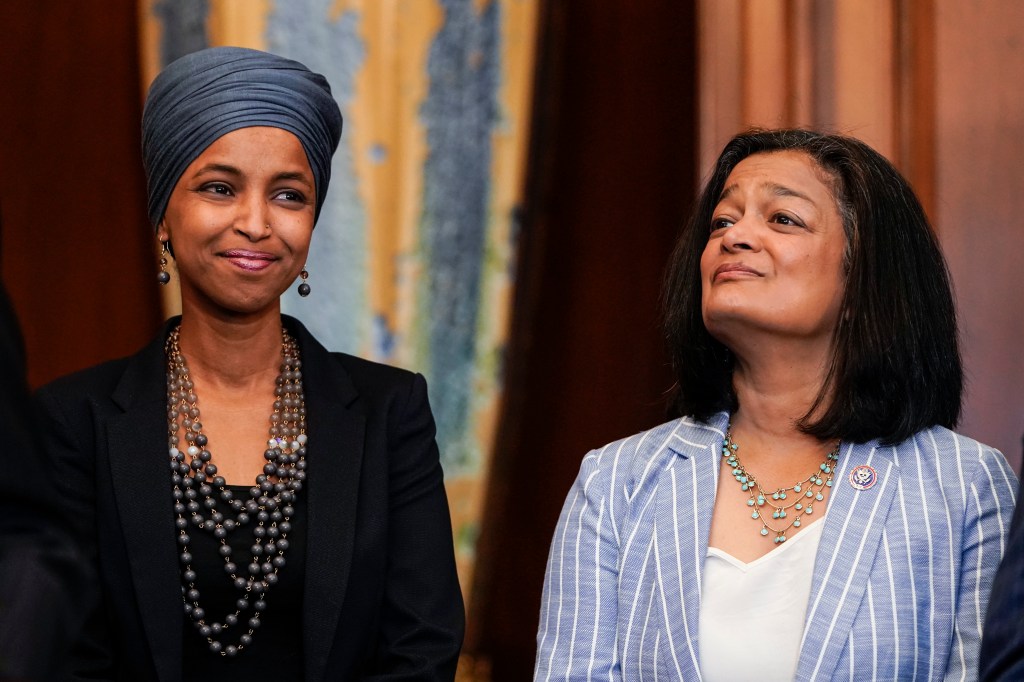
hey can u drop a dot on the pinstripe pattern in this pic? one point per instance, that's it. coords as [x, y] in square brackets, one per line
[900, 581]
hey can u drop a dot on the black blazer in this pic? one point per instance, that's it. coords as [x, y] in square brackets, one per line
[44, 594]
[382, 598]
[1002, 644]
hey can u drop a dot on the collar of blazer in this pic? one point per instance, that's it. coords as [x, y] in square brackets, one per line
[850, 540]
[142, 490]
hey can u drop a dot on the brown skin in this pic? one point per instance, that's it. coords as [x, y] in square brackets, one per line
[772, 281]
[239, 220]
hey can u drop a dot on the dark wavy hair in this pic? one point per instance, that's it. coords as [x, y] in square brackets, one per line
[895, 362]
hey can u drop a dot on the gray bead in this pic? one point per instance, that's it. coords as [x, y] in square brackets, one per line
[240, 583]
[242, 603]
[216, 646]
[245, 640]
[231, 619]
[198, 613]
[230, 567]
[205, 630]
[232, 650]
[260, 605]
[189, 576]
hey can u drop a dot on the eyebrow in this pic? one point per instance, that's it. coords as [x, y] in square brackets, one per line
[775, 188]
[231, 170]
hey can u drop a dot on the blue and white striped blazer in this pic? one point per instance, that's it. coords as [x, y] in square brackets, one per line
[901, 577]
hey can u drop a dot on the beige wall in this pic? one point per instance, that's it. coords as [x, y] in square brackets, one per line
[979, 164]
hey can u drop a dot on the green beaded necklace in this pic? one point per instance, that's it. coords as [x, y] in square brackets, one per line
[805, 492]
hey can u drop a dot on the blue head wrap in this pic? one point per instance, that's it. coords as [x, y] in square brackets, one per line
[207, 94]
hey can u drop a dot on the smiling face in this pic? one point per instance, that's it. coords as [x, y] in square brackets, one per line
[240, 219]
[774, 257]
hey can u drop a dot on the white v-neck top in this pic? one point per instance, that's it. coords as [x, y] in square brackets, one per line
[752, 615]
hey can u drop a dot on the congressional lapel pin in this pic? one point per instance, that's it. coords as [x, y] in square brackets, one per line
[863, 477]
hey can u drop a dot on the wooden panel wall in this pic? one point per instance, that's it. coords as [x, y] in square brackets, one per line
[76, 252]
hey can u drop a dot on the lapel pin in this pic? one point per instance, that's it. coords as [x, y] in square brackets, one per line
[863, 477]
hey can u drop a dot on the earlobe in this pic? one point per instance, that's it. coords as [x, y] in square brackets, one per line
[162, 234]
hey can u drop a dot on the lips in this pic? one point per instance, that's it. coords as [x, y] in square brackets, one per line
[734, 271]
[252, 261]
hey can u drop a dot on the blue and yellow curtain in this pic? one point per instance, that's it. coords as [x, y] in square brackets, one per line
[413, 257]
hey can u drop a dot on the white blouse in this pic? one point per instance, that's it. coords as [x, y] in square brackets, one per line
[752, 615]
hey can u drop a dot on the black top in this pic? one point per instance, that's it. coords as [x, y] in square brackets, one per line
[276, 650]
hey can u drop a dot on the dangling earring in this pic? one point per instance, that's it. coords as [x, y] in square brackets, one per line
[163, 276]
[304, 288]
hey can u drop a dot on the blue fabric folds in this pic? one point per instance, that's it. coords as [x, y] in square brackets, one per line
[207, 94]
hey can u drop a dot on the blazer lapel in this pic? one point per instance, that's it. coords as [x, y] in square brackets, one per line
[851, 537]
[336, 434]
[139, 473]
[682, 525]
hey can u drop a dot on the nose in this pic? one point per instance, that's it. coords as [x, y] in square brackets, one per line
[743, 235]
[253, 220]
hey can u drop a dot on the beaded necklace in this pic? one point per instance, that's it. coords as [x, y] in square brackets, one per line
[804, 493]
[203, 500]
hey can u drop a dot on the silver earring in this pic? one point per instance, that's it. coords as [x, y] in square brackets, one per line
[163, 276]
[304, 288]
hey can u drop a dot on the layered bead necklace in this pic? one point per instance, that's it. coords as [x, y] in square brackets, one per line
[788, 505]
[203, 500]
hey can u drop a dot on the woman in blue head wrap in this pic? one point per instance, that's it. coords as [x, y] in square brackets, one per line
[256, 506]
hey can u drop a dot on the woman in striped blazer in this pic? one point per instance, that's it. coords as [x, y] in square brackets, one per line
[811, 515]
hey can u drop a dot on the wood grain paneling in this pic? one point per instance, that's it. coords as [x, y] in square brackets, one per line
[76, 252]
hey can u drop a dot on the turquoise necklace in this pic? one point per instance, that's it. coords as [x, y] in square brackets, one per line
[788, 505]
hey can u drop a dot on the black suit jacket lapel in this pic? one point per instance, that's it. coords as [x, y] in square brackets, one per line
[141, 483]
[336, 435]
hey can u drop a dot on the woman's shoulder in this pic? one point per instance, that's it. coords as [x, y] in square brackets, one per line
[948, 458]
[642, 457]
[365, 371]
[104, 375]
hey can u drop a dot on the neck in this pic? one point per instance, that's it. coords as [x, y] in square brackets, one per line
[232, 352]
[775, 388]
